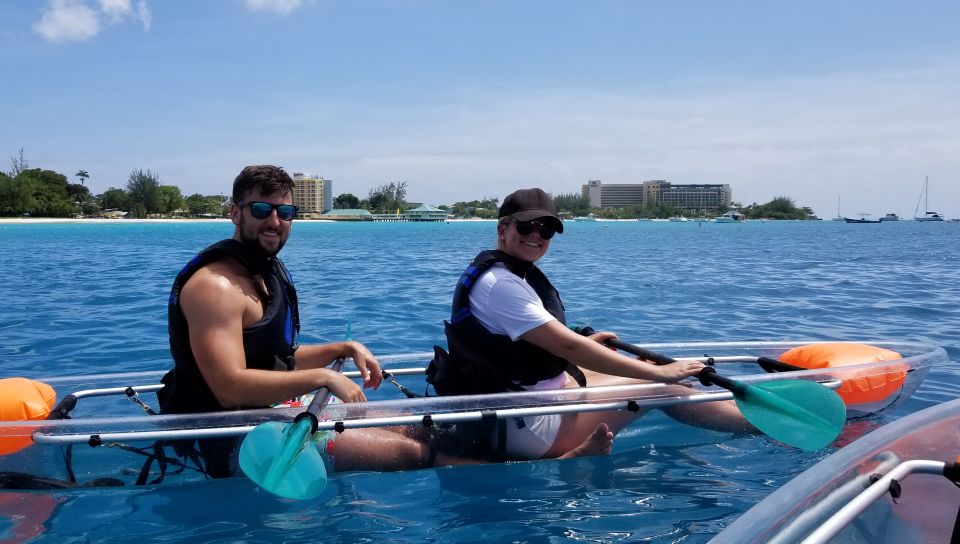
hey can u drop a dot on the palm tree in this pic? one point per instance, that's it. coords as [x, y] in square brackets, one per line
[83, 175]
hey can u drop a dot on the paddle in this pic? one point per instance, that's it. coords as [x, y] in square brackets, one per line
[278, 456]
[800, 413]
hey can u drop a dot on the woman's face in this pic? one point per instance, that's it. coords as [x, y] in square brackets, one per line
[529, 247]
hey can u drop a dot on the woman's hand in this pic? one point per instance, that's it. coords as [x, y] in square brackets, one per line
[679, 370]
[602, 337]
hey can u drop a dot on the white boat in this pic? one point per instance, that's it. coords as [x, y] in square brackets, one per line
[925, 196]
[678, 219]
[731, 217]
[588, 217]
[890, 217]
[896, 484]
[838, 216]
[40, 454]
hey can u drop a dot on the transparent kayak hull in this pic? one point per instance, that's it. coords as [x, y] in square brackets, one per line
[845, 497]
[106, 419]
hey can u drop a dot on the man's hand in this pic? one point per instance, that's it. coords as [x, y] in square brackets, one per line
[366, 363]
[341, 386]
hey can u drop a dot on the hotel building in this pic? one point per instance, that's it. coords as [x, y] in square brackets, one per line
[312, 194]
[693, 198]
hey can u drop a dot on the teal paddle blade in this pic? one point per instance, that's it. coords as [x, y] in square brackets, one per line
[281, 458]
[800, 413]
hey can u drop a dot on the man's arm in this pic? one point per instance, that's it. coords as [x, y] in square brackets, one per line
[588, 353]
[214, 305]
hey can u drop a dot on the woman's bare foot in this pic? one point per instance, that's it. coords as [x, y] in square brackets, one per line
[600, 442]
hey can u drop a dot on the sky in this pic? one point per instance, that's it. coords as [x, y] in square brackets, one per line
[847, 105]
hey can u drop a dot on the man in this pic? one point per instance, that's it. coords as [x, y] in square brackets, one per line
[233, 323]
[507, 332]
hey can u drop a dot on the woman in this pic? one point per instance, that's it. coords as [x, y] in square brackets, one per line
[507, 332]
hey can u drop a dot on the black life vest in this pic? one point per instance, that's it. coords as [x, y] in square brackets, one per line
[268, 344]
[483, 362]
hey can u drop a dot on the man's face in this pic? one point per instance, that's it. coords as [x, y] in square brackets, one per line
[268, 234]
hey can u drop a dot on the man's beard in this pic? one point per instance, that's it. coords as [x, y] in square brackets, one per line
[252, 243]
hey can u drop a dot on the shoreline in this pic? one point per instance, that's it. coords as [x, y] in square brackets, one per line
[39, 220]
[98, 220]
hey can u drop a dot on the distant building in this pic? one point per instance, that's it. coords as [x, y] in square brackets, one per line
[347, 214]
[695, 197]
[426, 213]
[312, 194]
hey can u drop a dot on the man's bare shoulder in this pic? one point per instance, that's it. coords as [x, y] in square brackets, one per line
[222, 283]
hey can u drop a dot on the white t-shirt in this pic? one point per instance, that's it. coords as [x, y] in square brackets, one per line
[506, 304]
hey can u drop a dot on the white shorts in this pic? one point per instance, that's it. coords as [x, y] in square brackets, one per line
[529, 437]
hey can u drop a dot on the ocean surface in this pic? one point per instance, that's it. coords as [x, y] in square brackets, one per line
[87, 298]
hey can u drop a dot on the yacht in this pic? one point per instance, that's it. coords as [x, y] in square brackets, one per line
[890, 217]
[731, 217]
[925, 195]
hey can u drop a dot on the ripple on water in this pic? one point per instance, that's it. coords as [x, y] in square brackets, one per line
[91, 298]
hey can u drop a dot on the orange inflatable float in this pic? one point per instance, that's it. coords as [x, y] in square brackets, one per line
[864, 386]
[22, 400]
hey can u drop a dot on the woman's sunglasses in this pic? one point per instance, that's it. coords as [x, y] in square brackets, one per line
[261, 210]
[545, 229]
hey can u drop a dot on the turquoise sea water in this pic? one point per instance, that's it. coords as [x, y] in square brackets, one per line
[85, 298]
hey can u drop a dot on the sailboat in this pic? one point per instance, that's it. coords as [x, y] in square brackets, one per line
[925, 195]
[839, 217]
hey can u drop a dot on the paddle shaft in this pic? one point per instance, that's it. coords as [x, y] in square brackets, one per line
[768, 364]
[319, 401]
[707, 376]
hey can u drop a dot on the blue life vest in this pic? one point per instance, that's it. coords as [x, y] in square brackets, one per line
[268, 344]
[483, 362]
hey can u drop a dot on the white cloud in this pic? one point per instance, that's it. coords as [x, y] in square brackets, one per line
[143, 12]
[74, 20]
[67, 20]
[116, 10]
[283, 7]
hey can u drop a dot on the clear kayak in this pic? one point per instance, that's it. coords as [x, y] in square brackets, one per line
[896, 484]
[99, 411]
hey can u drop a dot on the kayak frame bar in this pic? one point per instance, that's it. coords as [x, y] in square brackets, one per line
[861, 502]
[392, 421]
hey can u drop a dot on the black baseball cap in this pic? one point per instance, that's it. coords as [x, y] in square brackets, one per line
[530, 204]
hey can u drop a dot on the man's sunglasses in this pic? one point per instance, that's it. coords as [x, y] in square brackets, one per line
[545, 229]
[262, 210]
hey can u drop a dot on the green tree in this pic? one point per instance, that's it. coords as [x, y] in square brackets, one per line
[18, 164]
[781, 207]
[83, 175]
[575, 203]
[144, 190]
[49, 192]
[16, 196]
[346, 201]
[486, 208]
[198, 204]
[115, 199]
[388, 198]
[170, 199]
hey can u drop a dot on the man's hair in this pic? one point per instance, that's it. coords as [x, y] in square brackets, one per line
[263, 178]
